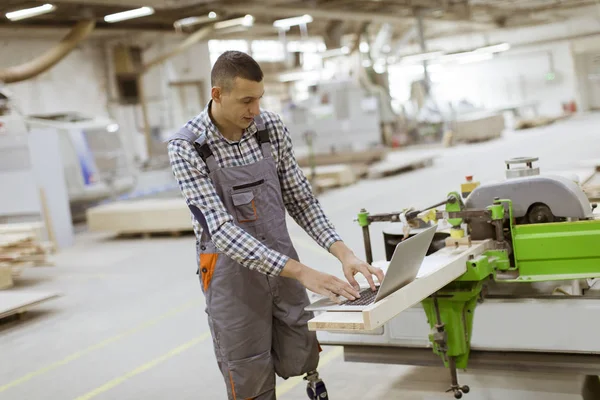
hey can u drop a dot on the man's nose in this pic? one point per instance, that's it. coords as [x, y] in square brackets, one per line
[255, 108]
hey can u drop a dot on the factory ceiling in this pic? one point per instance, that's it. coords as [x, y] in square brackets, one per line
[331, 19]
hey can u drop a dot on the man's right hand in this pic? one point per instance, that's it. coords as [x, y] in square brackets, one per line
[319, 282]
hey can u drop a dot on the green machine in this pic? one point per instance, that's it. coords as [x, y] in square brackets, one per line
[556, 239]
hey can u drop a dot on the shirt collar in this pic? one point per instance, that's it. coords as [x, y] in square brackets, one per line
[203, 123]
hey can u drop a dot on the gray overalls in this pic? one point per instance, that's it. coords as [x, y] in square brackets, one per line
[258, 322]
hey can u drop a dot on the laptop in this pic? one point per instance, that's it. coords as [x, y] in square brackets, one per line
[403, 269]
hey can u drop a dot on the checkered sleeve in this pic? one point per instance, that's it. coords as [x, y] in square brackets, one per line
[298, 196]
[196, 186]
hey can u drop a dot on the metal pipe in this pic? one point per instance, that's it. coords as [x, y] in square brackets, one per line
[183, 46]
[43, 63]
[367, 239]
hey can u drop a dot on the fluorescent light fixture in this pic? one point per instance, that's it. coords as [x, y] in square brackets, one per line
[497, 48]
[474, 57]
[30, 12]
[112, 128]
[335, 52]
[189, 21]
[363, 47]
[289, 22]
[248, 20]
[130, 14]
[422, 57]
[379, 66]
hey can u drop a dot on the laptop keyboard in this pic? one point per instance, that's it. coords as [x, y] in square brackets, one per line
[367, 297]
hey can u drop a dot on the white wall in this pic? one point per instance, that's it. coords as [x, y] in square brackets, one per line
[513, 77]
[84, 82]
[77, 83]
[165, 105]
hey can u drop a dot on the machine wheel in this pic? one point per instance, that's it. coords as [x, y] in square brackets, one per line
[457, 395]
[539, 214]
[465, 389]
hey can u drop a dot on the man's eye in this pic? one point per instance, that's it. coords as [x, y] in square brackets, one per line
[247, 101]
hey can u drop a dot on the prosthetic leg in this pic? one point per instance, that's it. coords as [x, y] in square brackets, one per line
[315, 388]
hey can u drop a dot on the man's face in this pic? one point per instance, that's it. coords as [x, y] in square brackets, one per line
[242, 103]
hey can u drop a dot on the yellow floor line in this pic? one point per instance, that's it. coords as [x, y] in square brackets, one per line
[142, 368]
[99, 345]
[291, 383]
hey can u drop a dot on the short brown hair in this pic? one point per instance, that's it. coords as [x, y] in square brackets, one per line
[234, 64]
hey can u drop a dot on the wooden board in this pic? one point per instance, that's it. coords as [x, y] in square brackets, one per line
[6, 280]
[400, 161]
[141, 216]
[437, 270]
[348, 157]
[18, 301]
[37, 229]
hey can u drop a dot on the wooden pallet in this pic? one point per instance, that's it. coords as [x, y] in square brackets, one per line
[19, 301]
[348, 157]
[401, 161]
[139, 217]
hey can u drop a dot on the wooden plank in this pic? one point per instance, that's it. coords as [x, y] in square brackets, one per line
[338, 322]
[6, 280]
[141, 216]
[401, 161]
[437, 270]
[368, 156]
[18, 301]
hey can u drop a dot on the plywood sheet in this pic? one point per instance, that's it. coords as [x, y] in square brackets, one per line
[16, 301]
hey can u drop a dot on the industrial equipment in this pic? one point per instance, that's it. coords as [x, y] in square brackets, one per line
[526, 261]
[95, 161]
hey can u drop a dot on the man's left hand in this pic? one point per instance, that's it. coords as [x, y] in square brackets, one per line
[353, 265]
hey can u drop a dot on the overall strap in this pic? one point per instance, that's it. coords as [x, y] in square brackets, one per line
[262, 136]
[200, 143]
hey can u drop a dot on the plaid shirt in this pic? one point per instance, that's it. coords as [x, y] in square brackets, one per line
[191, 174]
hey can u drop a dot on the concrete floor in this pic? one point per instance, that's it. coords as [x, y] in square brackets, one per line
[131, 323]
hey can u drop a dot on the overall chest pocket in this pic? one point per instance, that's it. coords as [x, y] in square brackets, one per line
[245, 206]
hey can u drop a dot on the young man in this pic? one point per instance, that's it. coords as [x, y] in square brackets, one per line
[236, 170]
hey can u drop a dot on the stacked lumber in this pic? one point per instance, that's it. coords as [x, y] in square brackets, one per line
[21, 247]
[527, 123]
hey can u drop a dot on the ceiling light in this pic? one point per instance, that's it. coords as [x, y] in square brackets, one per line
[289, 22]
[130, 14]
[364, 47]
[248, 20]
[189, 21]
[30, 12]
[415, 58]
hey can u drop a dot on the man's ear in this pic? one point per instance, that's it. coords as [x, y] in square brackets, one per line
[216, 93]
